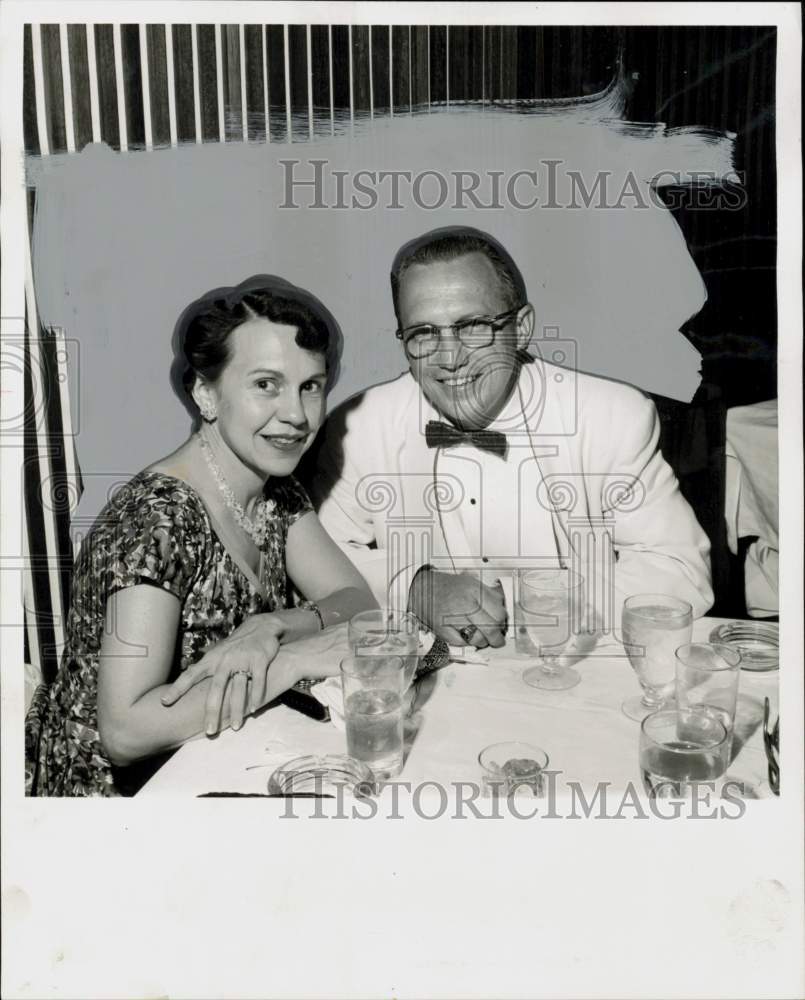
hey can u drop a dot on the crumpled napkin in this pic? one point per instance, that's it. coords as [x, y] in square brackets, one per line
[329, 693]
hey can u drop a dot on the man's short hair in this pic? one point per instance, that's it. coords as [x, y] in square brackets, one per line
[452, 242]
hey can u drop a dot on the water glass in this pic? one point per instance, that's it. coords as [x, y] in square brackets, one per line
[548, 610]
[680, 749]
[385, 632]
[707, 677]
[654, 627]
[373, 689]
[509, 767]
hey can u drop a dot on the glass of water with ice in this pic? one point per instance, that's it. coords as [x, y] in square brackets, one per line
[654, 627]
[386, 632]
[707, 675]
[550, 612]
[373, 689]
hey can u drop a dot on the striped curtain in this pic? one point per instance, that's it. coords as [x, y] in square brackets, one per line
[146, 86]
[138, 86]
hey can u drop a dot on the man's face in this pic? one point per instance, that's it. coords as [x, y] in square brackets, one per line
[468, 385]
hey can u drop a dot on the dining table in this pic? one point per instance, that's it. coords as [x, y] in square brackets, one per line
[463, 707]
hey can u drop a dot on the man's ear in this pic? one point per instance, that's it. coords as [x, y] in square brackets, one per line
[525, 326]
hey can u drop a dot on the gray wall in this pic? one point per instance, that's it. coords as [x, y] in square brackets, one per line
[123, 242]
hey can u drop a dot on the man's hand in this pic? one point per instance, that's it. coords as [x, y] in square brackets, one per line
[447, 602]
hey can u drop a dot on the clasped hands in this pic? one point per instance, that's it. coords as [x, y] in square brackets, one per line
[247, 668]
[246, 671]
[457, 607]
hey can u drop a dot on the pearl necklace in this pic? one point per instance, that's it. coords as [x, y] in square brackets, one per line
[255, 527]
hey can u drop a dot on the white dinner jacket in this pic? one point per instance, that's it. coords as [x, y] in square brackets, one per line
[588, 461]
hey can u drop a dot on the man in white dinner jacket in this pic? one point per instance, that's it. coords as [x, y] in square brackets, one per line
[481, 459]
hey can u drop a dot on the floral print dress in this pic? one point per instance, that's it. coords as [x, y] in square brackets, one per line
[154, 531]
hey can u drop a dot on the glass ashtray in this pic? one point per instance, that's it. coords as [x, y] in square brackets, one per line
[322, 776]
[757, 642]
[507, 768]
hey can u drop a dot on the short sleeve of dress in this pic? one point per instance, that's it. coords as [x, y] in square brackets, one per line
[290, 497]
[158, 540]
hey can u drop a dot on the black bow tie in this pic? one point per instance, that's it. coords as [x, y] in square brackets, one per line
[439, 435]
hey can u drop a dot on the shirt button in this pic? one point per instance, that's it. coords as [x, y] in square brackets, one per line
[472, 500]
[484, 559]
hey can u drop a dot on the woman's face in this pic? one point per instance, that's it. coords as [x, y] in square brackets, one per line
[269, 398]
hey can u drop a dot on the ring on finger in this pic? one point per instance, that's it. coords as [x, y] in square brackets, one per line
[247, 672]
[466, 632]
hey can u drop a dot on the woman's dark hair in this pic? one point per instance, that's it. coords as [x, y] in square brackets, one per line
[201, 338]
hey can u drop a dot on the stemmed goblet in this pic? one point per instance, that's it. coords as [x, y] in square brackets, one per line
[551, 602]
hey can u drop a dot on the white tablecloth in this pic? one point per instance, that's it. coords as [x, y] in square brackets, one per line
[751, 506]
[583, 730]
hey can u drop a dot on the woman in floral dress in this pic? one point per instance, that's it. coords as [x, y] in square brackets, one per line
[179, 598]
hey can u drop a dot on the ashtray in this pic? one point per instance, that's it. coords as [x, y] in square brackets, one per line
[509, 767]
[322, 776]
[757, 642]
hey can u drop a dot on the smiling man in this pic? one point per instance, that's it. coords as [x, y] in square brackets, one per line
[481, 458]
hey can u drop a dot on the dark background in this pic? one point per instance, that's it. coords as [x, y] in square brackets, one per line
[724, 78]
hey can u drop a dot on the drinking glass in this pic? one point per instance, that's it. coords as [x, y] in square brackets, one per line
[550, 605]
[680, 749]
[707, 679]
[507, 767]
[385, 632]
[373, 689]
[654, 627]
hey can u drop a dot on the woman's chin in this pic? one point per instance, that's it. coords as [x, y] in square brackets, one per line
[280, 468]
[282, 465]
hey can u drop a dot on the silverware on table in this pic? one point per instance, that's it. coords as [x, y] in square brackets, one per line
[771, 743]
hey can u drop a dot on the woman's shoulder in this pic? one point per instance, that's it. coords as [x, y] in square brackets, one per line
[154, 496]
[154, 486]
[153, 530]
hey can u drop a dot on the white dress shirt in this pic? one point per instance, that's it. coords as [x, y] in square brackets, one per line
[496, 524]
[574, 443]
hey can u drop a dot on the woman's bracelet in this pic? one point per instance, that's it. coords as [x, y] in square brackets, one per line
[311, 606]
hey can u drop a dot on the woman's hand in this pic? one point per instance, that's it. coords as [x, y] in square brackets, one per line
[238, 665]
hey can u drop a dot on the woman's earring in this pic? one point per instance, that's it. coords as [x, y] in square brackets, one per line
[208, 414]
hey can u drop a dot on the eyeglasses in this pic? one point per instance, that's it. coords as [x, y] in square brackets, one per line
[422, 340]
